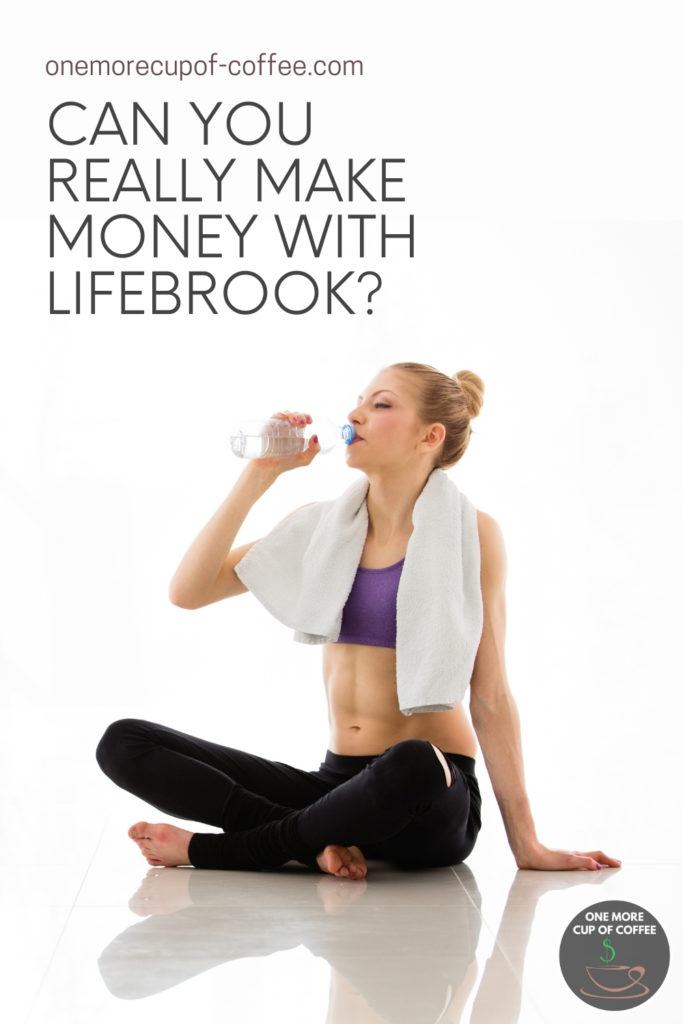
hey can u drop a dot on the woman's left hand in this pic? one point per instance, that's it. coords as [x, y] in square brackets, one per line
[540, 858]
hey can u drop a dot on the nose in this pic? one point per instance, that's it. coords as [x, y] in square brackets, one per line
[353, 416]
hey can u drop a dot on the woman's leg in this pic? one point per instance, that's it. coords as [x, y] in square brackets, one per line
[392, 798]
[446, 832]
[193, 778]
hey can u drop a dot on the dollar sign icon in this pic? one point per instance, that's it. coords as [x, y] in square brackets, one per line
[608, 946]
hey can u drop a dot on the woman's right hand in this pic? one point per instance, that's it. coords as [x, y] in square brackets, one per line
[281, 463]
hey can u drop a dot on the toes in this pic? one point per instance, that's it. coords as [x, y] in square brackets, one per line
[145, 830]
[343, 862]
[333, 859]
[349, 856]
[350, 866]
[347, 862]
[357, 864]
[139, 830]
[336, 861]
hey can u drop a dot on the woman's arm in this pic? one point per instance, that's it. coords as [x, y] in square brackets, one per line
[206, 572]
[492, 706]
[496, 722]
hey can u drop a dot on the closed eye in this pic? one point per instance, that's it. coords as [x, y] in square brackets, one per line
[381, 405]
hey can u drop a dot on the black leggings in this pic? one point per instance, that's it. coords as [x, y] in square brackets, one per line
[395, 806]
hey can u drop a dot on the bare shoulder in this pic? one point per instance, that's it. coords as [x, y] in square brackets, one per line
[492, 546]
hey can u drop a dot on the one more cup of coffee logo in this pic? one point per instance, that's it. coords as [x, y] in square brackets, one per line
[614, 955]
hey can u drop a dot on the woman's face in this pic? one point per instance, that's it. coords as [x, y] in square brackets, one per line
[389, 432]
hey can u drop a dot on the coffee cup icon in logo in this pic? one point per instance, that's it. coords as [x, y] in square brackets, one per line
[618, 981]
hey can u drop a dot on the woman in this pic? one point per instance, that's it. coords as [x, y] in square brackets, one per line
[394, 787]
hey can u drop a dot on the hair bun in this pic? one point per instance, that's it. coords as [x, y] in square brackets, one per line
[473, 388]
[452, 401]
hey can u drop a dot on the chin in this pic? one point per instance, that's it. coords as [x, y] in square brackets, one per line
[352, 457]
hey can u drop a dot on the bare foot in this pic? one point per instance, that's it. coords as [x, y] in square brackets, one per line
[161, 844]
[344, 861]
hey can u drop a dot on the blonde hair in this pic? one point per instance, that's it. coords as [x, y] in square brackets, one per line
[453, 401]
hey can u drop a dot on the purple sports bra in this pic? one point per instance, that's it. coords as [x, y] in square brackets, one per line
[369, 615]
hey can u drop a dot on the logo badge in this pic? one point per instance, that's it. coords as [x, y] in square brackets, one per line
[614, 955]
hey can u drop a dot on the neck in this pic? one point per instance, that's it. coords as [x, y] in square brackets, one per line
[391, 499]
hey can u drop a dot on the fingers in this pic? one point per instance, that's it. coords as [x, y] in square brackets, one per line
[601, 858]
[295, 418]
[300, 419]
[573, 860]
[599, 855]
[591, 860]
[304, 457]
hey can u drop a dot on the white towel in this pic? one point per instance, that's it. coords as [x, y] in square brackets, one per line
[303, 570]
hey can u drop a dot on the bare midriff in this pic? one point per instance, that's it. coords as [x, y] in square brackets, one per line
[363, 710]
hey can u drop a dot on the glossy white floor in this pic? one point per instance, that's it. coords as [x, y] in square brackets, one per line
[92, 932]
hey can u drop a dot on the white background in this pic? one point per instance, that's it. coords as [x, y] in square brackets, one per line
[544, 166]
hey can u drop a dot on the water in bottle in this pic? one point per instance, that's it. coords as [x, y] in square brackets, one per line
[264, 438]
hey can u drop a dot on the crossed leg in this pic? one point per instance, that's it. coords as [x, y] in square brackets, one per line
[186, 836]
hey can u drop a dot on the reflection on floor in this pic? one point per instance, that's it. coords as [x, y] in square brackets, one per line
[91, 931]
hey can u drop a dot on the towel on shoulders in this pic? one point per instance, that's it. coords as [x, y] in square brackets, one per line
[302, 572]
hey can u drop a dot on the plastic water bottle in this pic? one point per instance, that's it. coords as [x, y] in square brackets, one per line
[260, 439]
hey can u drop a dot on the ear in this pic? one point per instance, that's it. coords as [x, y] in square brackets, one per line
[434, 435]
